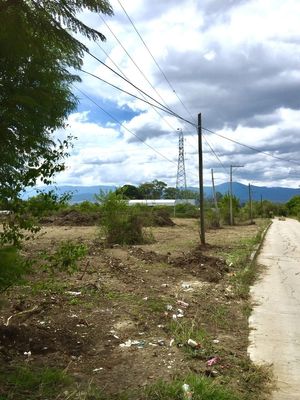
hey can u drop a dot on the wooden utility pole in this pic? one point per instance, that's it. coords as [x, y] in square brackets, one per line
[214, 190]
[201, 191]
[231, 193]
[215, 197]
[250, 205]
[230, 197]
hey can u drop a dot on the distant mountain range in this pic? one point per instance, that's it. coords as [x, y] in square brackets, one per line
[274, 194]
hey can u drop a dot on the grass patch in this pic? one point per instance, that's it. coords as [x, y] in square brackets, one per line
[25, 383]
[200, 387]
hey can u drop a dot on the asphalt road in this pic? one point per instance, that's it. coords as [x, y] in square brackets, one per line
[275, 321]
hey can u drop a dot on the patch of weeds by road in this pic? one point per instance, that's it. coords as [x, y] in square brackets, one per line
[182, 331]
[200, 388]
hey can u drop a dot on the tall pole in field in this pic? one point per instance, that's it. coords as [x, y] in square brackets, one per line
[214, 190]
[231, 193]
[250, 205]
[215, 198]
[201, 191]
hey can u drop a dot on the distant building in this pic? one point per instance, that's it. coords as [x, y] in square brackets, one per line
[162, 202]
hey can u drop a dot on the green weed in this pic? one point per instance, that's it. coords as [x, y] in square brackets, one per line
[25, 383]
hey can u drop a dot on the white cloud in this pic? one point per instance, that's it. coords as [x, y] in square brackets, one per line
[236, 62]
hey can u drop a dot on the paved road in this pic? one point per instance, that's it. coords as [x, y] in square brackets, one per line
[275, 321]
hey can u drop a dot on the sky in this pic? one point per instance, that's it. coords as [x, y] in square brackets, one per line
[234, 61]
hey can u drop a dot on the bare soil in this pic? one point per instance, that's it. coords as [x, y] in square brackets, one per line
[81, 323]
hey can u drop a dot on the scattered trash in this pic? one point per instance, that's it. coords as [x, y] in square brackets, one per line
[213, 361]
[161, 342]
[186, 286]
[160, 326]
[212, 373]
[138, 343]
[145, 298]
[174, 316]
[27, 353]
[182, 303]
[164, 285]
[216, 341]
[73, 293]
[128, 343]
[169, 307]
[192, 343]
[171, 342]
[97, 369]
[180, 313]
[187, 393]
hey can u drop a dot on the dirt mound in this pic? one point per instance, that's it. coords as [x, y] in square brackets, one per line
[210, 269]
[71, 218]
[161, 218]
[147, 256]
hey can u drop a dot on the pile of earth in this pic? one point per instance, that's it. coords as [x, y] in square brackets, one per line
[72, 218]
[161, 218]
[210, 269]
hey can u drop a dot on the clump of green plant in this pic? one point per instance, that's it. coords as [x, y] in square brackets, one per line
[66, 257]
[46, 203]
[26, 383]
[186, 211]
[200, 387]
[121, 223]
[12, 267]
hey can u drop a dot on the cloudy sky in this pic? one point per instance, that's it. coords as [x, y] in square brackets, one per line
[235, 61]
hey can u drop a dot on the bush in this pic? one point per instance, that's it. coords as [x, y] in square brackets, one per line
[186, 211]
[12, 267]
[66, 257]
[212, 218]
[121, 223]
[46, 203]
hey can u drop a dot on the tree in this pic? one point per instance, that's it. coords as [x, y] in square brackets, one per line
[224, 207]
[170, 193]
[293, 205]
[152, 190]
[36, 57]
[129, 191]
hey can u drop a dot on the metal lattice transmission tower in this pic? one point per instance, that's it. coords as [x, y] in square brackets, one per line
[181, 176]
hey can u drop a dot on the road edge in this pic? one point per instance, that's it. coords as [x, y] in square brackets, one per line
[257, 248]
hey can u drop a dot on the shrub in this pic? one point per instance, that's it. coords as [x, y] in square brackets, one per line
[66, 257]
[121, 223]
[186, 211]
[12, 267]
[46, 203]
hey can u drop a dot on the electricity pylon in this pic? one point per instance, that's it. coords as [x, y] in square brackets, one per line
[181, 177]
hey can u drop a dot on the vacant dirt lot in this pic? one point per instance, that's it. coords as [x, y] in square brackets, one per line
[123, 321]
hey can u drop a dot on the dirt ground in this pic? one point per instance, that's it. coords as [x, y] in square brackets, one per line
[125, 322]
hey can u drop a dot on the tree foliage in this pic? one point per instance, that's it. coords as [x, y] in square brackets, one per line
[38, 51]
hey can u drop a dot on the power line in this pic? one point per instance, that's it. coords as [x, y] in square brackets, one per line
[125, 127]
[214, 153]
[153, 58]
[169, 111]
[125, 91]
[250, 147]
[164, 108]
[135, 64]
[119, 69]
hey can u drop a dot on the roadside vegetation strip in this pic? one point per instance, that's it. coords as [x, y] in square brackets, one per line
[130, 296]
